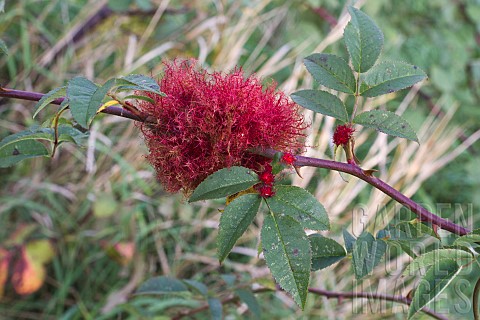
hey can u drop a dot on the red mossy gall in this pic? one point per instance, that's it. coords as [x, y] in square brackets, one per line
[210, 120]
[343, 134]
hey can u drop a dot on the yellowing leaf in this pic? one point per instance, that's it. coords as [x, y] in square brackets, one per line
[41, 251]
[125, 250]
[28, 275]
[238, 194]
[107, 104]
[105, 205]
[5, 258]
[121, 252]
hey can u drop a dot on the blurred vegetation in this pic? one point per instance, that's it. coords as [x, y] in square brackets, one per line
[89, 200]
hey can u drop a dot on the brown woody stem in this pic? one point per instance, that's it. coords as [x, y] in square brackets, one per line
[422, 213]
[35, 96]
[320, 292]
[373, 296]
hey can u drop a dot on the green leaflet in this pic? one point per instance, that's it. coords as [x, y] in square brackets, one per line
[216, 308]
[138, 82]
[288, 255]
[331, 71]
[432, 257]
[224, 182]
[22, 145]
[390, 76]
[363, 39]
[235, 219]
[250, 300]
[349, 240]
[301, 205]
[21, 150]
[48, 98]
[386, 122]
[367, 254]
[161, 285]
[321, 102]
[325, 251]
[196, 286]
[436, 279]
[84, 98]
[415, 229]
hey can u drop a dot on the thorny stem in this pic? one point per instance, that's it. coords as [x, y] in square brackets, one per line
[422, 213]
[35, 96]
[374, 296]
[230, 299]
[320, 292]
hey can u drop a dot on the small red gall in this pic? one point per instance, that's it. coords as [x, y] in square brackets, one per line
[342, 135]
[267, 177]
[266, 191]
[288, 158]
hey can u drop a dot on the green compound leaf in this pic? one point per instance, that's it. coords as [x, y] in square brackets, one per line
[216, 308]
[325, 251]
[3, 47]
[162, 285]
[48, 98]
[367, 254]
[301, 205]
[13, 153]
[321, 102]
[235, 219]
[86, 98]
[224, 182]
[331, 71]
[386, 122]
[364, 40]
[390, 76]
[288, 255]
[432, 257]
[436, 279]
[138, 82]
[251, 301]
